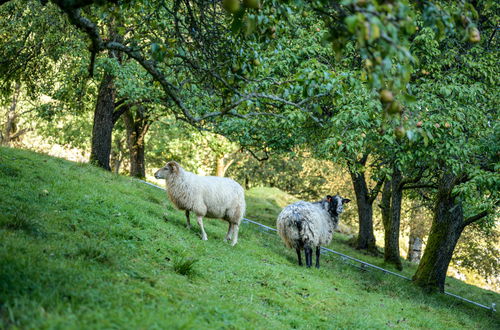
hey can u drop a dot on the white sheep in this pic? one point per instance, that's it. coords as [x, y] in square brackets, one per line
[206, 196]
[304, 225]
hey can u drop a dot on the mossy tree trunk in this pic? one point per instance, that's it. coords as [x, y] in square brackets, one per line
[444, 234]
[447, 226]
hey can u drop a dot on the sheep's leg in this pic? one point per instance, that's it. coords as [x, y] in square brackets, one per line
[200, 223]
[188, 226]
[229, 232]
[308, 251]
[317, 256]
[299, 256]
[235, 234]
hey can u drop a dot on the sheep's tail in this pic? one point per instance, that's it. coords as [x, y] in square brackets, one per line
[291, 228]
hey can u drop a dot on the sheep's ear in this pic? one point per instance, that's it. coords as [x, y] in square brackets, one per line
[345, 200]
[329, 198]
[173, 166]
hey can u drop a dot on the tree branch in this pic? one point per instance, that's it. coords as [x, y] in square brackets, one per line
[170, 90]
[415, 179]
[120, 108]
[417, 186]
[475, 218]
[19, 133]
[374, 192]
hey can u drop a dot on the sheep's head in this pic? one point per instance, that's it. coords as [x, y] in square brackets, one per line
[172, 168]
[336, 204]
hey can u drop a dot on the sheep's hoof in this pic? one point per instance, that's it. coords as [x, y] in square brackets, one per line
[188, 227]
[204, 238]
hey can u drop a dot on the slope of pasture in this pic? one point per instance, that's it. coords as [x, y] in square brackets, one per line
[83, 248]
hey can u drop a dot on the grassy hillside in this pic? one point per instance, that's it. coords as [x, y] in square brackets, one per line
[264, 204]
[83, 248]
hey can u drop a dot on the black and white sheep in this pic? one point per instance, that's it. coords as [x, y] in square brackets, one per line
[206, 196]
[304, 225]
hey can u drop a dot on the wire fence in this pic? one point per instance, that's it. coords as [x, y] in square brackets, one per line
[363, 265]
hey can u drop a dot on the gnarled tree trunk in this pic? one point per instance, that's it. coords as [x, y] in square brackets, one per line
[447, 226]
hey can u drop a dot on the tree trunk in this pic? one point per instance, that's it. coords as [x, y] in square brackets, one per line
[137, 126]
[10, 131]
[103, 123]
[104, 113]
[447, 226]
[117, 155]
[366, 238]
[417, 232]
[415, 248]
[385, 206]
[222, 166]
[391, 246]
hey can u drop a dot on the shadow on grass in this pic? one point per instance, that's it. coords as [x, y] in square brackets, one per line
[20, 221]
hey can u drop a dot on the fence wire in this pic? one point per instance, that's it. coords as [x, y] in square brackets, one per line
[345, 257]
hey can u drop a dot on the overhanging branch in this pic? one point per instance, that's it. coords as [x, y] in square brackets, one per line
[151, 66]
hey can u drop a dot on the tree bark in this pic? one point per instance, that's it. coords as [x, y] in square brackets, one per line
[222, 166]
[103, 123]
[391, 246]
[137, 127]
[104, 118]
[117, 155]
[366, 238]
[415, 244]
[447, 226]
[10, 131]
[417, 232]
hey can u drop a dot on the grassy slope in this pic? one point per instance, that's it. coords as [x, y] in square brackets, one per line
[80, 247]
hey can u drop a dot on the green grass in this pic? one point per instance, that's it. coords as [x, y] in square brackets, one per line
[83, 248]
[264, 204]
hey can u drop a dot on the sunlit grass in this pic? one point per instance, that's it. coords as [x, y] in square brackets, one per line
[83, 248]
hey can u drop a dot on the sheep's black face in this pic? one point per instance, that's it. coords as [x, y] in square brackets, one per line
[336, 204]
